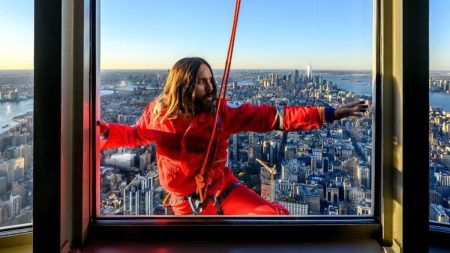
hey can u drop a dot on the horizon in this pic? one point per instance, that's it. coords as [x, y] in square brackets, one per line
[279, 69]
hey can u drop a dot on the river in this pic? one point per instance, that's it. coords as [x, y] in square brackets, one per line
[9, 110]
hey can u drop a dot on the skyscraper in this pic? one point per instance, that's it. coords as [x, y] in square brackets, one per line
[15, 204]
[139, 195]
[268, 188]
[309, 72]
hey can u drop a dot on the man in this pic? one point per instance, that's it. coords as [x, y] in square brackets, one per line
[180, 121]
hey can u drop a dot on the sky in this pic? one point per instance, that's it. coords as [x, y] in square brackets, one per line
[275, 34]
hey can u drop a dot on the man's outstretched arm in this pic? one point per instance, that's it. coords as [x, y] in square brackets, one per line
[248, 117]
[295, 114]
[114, 135]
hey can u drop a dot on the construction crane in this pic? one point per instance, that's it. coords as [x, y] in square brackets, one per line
[271, 170]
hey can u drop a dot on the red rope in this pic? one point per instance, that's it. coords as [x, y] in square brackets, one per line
[202, 188]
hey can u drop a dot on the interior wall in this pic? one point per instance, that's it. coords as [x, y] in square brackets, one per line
[397, 138]
[66, 124]
[392, 136]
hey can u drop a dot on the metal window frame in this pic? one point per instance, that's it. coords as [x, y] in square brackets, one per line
[47, 146]
[47, 126]
[415, 127]
[142, 227]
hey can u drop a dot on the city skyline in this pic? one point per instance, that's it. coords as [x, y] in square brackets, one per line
[326, 171]
[268, 34]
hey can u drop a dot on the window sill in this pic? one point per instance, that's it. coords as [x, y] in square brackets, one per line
[188, 230]
[28, 248]
[16, 240]
[150, 245]
[439, 235]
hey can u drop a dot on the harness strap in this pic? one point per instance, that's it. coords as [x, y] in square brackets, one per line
[227, 191]
[197, 206]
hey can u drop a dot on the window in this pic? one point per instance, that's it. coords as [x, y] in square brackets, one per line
[408, 195]
[16, 114]
[439, 85]
[288, 52]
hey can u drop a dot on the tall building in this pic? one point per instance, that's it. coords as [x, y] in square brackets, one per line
[312, 198]
[347, 188]
[442, 179]
[333, 210]
[26, 152]
[437, 213]
[290, 151]
[7, 170]
[357, 195]
[289, 170]
[268, 189]
[2, 210]
[121, 161]
[2, 186]
[19, 165]
[139, 195]
[317, 152]
[364, 176]
[145, 160]
[281, 148]
[19, 188]
[309, 74]
[15, 202]
[295, 208]
[351, 167]
[286, 190]
[325, 164]
[364, 208]
[270, 151]
[332, 193]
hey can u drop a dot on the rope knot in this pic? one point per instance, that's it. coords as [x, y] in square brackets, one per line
[199, 180]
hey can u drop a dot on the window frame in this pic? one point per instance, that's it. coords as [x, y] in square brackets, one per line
[439, 232]
[414, 142]
[413, 61]
[47, 126]
[368, 226]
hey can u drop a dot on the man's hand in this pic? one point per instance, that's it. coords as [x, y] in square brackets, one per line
[104, 127]
[357, 108]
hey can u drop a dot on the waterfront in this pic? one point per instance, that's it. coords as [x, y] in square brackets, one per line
[9, 110]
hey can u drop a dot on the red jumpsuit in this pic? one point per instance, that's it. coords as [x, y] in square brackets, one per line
[181, 145]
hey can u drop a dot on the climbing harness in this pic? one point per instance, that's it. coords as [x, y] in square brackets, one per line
[197, 206]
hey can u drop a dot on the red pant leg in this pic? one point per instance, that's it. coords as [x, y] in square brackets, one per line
[240, 201]
[244, 201]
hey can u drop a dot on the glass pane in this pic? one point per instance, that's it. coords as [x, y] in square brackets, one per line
[439, 85]
[289, 52]
[16, 112]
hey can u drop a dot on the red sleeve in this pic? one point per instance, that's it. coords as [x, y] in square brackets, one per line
[121, 135]
[302, 118]
[248, 117]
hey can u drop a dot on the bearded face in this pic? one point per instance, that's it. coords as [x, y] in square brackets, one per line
[204, 93]
[204, 103]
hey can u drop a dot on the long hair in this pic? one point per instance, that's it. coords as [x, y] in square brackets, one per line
[178, 95]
